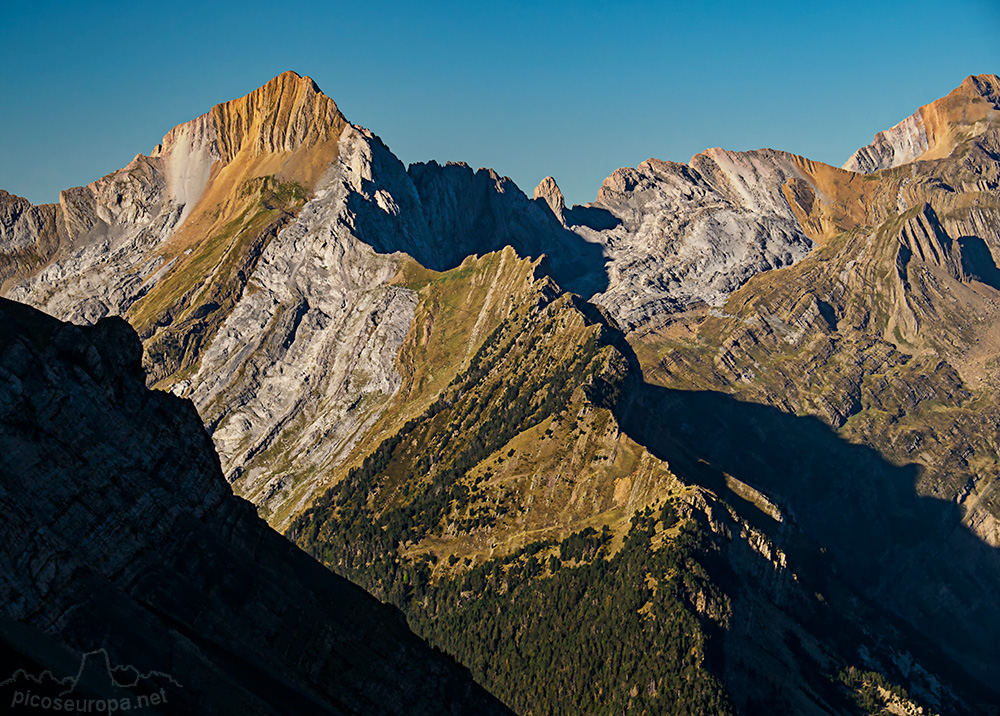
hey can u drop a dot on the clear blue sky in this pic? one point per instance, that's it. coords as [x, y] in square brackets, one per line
[572, 89]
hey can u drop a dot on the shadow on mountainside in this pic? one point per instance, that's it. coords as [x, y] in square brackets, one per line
[476, 212]
[977, 261]
[592, 217]
[153, 561]
[908, 553]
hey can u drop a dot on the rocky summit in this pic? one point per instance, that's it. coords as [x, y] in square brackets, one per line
[720, 441]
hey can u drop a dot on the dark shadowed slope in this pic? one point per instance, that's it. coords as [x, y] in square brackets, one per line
[120, 533]
[907, 552]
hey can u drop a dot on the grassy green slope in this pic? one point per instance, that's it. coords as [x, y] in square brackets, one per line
[524, 531]
[515, 492]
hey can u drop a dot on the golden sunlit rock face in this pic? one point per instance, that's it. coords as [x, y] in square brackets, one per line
[766, 423]
[936, 129]
[269, 149]
[287, 114]
[287, 129]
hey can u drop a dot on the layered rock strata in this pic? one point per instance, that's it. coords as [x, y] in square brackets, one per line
[934, 130]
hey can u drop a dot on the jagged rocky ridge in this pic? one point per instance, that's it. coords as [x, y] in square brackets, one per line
[311, 357]
[934, 130]
[121, 534]
[288, 220]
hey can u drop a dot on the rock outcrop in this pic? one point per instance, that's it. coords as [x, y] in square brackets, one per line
[112, 247]
[933, 131]
[549, 192]
[306, 361]
[121, 534]
[693, 234]
[901, 144]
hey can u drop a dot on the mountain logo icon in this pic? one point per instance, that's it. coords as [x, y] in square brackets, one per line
[97, 687]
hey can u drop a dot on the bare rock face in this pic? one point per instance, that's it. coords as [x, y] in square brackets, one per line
[287, 114]
[188, 153]
[548, 191]
[901, 144]
[692, 234]
[933, 130]
[476, 212]
[306, 361]
[112, 243]
[659, 239]
[29, 236]
[102, 260]
[121, 534]
[288, 338]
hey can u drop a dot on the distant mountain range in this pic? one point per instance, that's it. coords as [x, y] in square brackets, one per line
[721, 441]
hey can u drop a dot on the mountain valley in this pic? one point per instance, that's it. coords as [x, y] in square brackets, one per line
[721, 441]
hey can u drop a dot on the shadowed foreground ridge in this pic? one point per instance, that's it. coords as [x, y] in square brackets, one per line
[751, 468]
[120, 533]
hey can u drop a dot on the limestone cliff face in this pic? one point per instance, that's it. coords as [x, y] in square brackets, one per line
[29, 235]
[901, 144]
[102, 254]
[660, 238]
[933, 131]
[120, 236]
[288, 114]
[692, 234]
[188, 152]
[121, 534]
[172, 241]
[306, 361]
